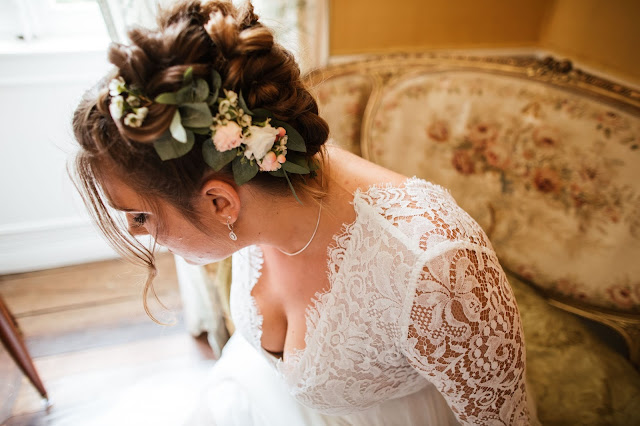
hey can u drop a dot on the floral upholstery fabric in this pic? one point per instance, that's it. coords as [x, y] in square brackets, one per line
[553, 177]
[342, 102]
[574, 377]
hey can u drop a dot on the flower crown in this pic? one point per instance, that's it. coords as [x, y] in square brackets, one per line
[251, 141]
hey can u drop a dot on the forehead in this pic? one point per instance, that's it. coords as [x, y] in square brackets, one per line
[120, 195]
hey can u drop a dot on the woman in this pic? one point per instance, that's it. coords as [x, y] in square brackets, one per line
[374, 297]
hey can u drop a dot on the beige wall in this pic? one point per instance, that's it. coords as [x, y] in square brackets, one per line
[358, 26]
[601, 34]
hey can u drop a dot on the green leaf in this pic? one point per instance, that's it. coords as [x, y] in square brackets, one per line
[278, 173]
[195, 114]
[184, 95]
[242, 104]
[261, 114]
[294, 140]
[200, 90]
[187, 77]
[168, 148]
[216, 159]
[177, 131]
[291, 186]
[166, 98]
[216, 82]
[292, 167]
[201, 130]
[243, 170]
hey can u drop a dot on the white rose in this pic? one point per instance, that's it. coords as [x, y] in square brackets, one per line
[259, 141]
[116, 107]
[227, 137]
[116, 86]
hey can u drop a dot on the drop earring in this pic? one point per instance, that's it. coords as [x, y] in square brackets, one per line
[232, 235]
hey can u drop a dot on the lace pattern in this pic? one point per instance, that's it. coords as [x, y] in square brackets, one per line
[246, 269]
[416, 296]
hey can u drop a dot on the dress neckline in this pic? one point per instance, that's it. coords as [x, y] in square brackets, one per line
[340, 242]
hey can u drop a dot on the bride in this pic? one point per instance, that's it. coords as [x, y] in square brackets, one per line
[359, 295]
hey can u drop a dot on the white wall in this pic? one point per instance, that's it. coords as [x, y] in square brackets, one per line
[42, 221]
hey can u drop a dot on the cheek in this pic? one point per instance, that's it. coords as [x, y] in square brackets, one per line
[195, 247]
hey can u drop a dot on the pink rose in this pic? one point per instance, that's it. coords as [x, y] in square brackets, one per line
[482, 134]
[438, 131]
[462, 162]
[228, 137]
[546, 137]
[547, 180]
[621, 296]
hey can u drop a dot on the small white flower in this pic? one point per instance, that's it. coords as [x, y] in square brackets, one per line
[231, 96]
[136, 119]
[142, 113]
[245, 120]
[116, 107]
[132, 120]
[117, 86]
[134, 101]
[259, 141]
[223, 107]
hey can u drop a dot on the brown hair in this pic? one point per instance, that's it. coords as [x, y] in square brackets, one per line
[203, 35]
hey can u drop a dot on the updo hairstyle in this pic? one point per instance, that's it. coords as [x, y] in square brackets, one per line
[204, 35]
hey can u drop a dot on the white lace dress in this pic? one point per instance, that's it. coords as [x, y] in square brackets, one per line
[419, 327]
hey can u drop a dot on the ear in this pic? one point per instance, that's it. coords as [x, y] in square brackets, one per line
[221, 200]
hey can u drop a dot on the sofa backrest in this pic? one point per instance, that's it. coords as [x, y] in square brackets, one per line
[546, 158]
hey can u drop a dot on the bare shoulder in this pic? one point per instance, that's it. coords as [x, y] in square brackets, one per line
[357, 172]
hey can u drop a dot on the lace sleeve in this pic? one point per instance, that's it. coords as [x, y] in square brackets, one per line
[463, 333]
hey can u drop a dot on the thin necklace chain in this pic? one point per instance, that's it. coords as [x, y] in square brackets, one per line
[315, 230]
[309, 242]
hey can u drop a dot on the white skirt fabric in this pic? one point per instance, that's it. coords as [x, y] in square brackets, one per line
[243, 389]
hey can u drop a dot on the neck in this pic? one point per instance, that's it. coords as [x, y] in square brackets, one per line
[286, 225]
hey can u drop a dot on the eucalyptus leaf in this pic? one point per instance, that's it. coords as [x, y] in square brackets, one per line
[200, 90]
[177, 131]
[278, 173]
[242, 104]
[184, 95]
[166, 98]
[216, 159]
[168, 148]
[195, 114]
[243, 170]
[201, 130]
[216, 82]
[262, 114]
[292, 167]
[187, 77]
[291, 186]
[294, 139]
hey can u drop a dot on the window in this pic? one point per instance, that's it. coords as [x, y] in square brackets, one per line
[32, 21]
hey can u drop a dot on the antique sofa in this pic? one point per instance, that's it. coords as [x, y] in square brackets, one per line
[547, 159]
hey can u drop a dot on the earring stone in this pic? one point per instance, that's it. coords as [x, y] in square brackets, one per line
[232, 235]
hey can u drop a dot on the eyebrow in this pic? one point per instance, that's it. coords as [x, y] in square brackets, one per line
[124, 209]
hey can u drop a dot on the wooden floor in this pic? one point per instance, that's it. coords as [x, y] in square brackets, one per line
[102, 360]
